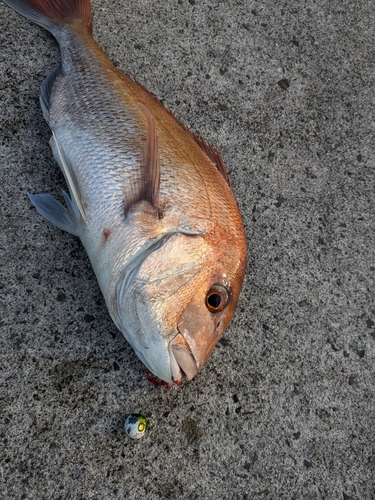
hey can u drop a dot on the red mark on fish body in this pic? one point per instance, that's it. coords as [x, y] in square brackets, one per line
[106, 234]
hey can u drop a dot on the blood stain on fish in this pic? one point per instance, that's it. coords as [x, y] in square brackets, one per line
[106, 234]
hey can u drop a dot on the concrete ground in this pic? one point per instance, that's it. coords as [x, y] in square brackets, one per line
[285, 407]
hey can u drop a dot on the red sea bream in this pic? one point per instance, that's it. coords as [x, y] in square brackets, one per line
[150, 201]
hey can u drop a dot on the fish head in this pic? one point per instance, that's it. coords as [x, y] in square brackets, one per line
[181, 301]
[214, 294]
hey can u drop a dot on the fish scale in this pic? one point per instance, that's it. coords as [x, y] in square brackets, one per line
[150, 201]
[104, 155]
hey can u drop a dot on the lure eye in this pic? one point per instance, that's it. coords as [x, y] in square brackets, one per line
[217, 298]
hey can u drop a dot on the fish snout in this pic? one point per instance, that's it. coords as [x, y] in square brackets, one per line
[183, 363]
[192, 346]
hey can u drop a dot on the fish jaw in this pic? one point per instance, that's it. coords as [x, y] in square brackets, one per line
[183, 363]
[156, 358]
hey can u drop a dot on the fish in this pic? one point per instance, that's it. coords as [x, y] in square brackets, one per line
[150, 201]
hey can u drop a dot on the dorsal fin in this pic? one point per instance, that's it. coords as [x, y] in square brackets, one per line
[213, 155]
[205, 145]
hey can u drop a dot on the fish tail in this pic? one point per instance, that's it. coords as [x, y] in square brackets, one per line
[53, 15]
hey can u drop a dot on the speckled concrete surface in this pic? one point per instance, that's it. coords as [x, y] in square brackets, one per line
[285, 408]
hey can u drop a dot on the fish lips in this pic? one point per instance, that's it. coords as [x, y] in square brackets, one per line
[183, 363]
[188, 351]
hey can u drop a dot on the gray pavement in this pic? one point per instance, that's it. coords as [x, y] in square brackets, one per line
[285, 407]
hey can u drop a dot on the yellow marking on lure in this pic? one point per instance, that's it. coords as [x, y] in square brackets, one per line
[135, 426]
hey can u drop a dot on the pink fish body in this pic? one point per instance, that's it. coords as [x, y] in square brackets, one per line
[151, 202]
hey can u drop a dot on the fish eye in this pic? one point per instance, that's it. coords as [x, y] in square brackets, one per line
[217, 298]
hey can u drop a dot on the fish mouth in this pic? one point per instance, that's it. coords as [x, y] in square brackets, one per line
[183, 363]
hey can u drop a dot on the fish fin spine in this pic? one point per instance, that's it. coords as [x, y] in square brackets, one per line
[212, 153]
[53, 14]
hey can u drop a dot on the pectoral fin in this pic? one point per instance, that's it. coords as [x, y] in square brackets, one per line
[147, 186]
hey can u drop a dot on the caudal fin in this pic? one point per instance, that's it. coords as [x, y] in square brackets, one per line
[54, 14]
